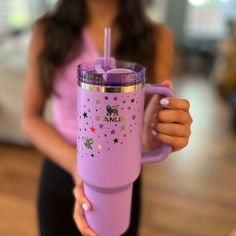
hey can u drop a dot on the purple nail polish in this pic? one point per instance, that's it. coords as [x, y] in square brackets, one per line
[164, 102]
[85, 207]
[154, 132]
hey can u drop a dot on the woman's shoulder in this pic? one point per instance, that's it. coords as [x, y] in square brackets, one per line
[37, 36]
[164, 38]
[163, 32]
[164, 51]
[39, 28]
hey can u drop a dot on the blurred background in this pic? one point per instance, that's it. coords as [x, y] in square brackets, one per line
[193, 193]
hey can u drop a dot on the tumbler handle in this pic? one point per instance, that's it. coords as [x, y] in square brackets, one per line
[164, 150]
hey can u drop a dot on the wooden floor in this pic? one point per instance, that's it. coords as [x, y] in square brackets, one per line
[193, 193]
[19, 171]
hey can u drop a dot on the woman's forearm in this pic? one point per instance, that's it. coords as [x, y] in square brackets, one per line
[49, 141]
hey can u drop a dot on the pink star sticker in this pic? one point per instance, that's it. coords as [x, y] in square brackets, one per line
[93, 130]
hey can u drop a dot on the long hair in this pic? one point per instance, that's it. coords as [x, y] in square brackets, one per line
[62, 34]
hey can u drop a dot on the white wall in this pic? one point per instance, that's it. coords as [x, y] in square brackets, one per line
[158, 10]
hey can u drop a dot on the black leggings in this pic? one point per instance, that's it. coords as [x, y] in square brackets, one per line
[56, 203]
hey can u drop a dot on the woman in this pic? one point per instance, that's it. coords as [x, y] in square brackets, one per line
[70, 34]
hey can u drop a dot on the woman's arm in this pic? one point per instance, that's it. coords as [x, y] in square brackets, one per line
[40, 132]
[164, 53]
[43, 135]
[172, 124]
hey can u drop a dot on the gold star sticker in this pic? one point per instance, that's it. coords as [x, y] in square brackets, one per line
[99, 146]
[98, 118]
[98, 101]
[123, 127]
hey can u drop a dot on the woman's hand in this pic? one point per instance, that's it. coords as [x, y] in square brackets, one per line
[170, 126]
[82, 204]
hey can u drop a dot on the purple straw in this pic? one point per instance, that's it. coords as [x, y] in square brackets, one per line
[103, 64]
[107, 47]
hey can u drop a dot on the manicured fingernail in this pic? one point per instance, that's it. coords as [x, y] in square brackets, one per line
[85, 207]
[167, 81]
[153, 124]
[164, 102]
[154, 132]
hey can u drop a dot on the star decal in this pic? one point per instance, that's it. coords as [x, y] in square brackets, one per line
[98, 118]
[124, 101]
[99, 146]
[115, 140]
[129, 108]
[93, 130]
[85, 115]
[101, 126]
[133, 117]
[106, 98]
[132, 100]
[123, 127]
[115, 98]
[113, 131]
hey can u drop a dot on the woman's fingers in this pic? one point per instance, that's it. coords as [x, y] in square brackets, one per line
[175, 103]
[174, 116]
[173, 129]
[172, 124]
[82, 204]
[167, 83]
[176, 142]
[81, 222]
[81, 198]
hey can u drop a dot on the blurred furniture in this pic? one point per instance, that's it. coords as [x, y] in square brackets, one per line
[12, 68]
[225, 68]
[13, 61]
[13, 57]
[200, 54]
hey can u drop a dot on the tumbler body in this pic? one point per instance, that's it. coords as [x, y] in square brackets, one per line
[110, 113]
[109, 137]
[109, 154]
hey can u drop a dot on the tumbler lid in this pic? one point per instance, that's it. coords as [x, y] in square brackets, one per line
[119, 73]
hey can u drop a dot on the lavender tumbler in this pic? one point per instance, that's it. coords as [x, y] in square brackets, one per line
[110, 110]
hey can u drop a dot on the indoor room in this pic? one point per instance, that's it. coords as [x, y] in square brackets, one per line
[187, 46]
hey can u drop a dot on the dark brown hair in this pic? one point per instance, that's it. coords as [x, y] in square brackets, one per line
[62, 31]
